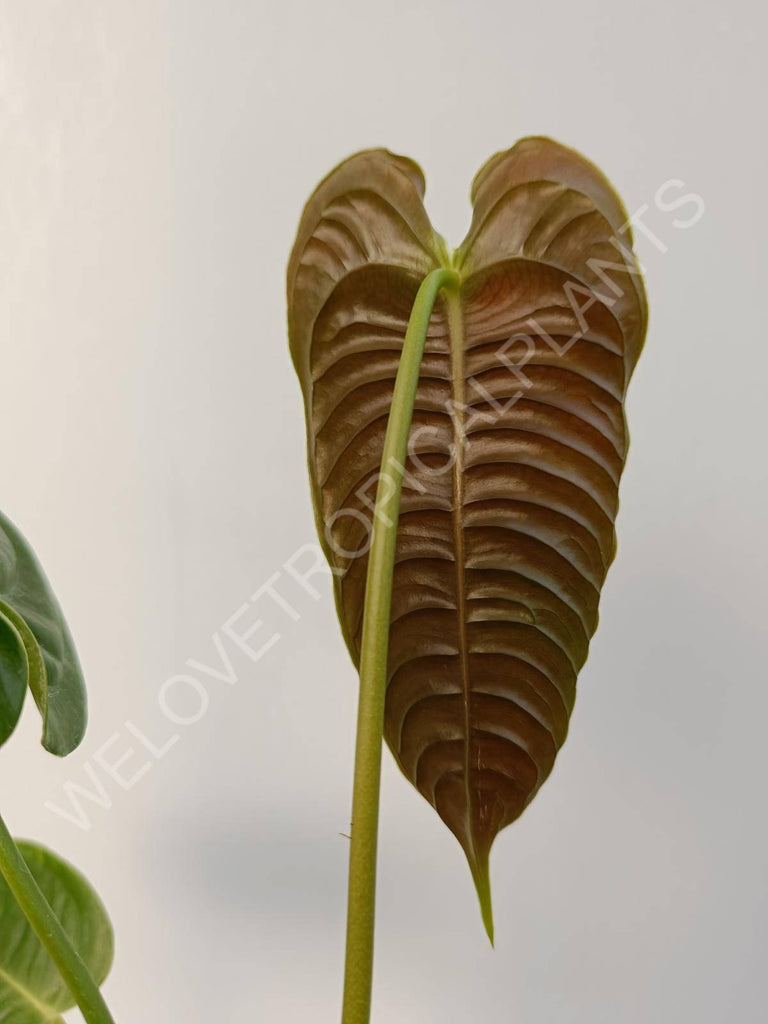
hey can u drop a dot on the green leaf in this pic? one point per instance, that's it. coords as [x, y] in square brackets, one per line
[14, 669]
[36, 649]
[31, 989]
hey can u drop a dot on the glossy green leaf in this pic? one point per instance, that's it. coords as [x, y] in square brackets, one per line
[31, 989]
[14, 669]
[36, 649]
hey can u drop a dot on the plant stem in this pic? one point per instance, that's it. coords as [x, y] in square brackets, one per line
[373, 658]
[48, 929]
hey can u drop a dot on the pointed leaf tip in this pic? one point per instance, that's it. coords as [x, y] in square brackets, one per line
[482, 878]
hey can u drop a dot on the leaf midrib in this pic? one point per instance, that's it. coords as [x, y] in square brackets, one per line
[51, 1015]
[458, 391]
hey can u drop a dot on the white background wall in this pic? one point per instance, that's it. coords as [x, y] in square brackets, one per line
[154, 159]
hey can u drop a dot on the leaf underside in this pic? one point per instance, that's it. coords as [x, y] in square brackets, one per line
[36, 649]
[31, 989]
[517, 446]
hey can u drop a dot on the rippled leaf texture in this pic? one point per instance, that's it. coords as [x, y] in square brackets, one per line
[31, 988]
[517, 446]
[36, 649]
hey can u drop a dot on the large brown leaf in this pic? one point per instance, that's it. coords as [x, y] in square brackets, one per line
[516, 449]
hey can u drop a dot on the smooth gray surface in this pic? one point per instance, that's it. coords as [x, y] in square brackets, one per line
[154, 159]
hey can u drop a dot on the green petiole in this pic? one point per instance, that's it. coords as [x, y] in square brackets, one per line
[373, 660]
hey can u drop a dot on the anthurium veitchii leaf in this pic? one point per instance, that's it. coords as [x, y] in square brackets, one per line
[36, 649]
[517, 445]
[32, 990]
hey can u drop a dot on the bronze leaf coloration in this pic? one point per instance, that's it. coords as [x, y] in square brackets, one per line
[516, 449]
